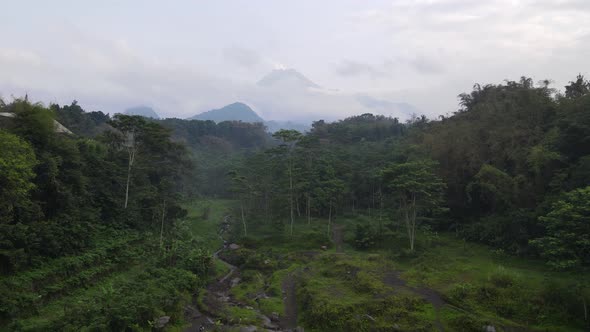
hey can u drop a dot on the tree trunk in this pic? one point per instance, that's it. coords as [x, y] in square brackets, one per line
[243, 219]
[291, 194]
[407, 219]
[412, 222]
[330, 219]
[372, 204]
[585, 308]
[380, 212]
[297, 206]
[162, 224]
[131, 151]
[266, 206]
[308, 209]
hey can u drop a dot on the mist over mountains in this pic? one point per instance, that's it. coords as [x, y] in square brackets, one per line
[282, 99]
[287, 99]
[144, 111]
[241, 112]
[232, 112]
[287, 94]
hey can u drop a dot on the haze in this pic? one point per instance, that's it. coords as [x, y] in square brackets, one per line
[186, 57]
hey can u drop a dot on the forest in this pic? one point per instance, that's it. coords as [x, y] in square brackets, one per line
[475, 221]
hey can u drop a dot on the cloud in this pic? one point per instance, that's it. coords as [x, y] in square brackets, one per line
[419, 64]
[387, 107]
[242, 56]
[355, 68]
[424, 52]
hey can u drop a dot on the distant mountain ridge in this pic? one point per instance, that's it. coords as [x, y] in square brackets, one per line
[144, 111]
[232, 112]
[242, 112]
[286, 77]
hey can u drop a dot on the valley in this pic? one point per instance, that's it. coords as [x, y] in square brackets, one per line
[309, 281]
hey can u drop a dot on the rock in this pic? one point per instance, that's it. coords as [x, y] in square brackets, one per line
[267, 323]
[191, 312]
[161, 322]
[249, 328]
[489, 328]
[274, 316]
[234, 246]
[324, 247]
[249, 307]
[260, 296]
[298, 329]
[234, 282]
[223, 298]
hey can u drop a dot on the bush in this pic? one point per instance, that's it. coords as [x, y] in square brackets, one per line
[503, 278]
[459, 292]
[365, 237]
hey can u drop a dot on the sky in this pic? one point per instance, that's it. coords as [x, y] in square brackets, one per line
[186, 57]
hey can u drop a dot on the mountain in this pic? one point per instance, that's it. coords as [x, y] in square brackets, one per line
[286, 77]
[233, 112]
[144, 111]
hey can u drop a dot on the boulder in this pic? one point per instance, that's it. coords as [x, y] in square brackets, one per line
[161, 322]
[489, 328]
[249, 328]
[234, 282]
[191, 312]
[275, 317]
[234, 246]
[267, 323]
[324, 247]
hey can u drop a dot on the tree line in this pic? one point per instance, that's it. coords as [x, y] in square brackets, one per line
[57, 190]
[510, 168]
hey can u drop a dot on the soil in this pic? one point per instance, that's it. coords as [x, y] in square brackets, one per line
[394, 280]
[217, 298]
[338, 237]
[289, 319]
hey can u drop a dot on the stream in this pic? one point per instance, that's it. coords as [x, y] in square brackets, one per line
[218, 297]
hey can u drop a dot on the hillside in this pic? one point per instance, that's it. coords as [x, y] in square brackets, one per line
[289, 77]
[144, 111]
[232, 112]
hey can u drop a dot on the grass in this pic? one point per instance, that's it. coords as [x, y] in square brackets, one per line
[494, 286]
[59, 308]
[482, 285]
[204, 225]
[244, 316]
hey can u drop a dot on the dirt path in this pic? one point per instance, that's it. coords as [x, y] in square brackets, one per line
[338, 237]
[393, 279]
[289, 319]
[217, 299]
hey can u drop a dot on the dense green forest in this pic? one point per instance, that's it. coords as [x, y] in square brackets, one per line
[482, 217]
[502, 170]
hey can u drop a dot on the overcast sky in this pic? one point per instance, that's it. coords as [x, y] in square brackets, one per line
[184, 57]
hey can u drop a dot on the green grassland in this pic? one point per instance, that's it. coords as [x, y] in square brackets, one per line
[336, 291]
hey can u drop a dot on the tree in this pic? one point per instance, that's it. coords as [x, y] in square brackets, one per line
[329, 189]
[309, 146]
[33, 122]
[289, 139]
[241, 187]
[417, 189]
[577, 88]
[17, 162]
[130, 127]
[566, 243]
[491, 189]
